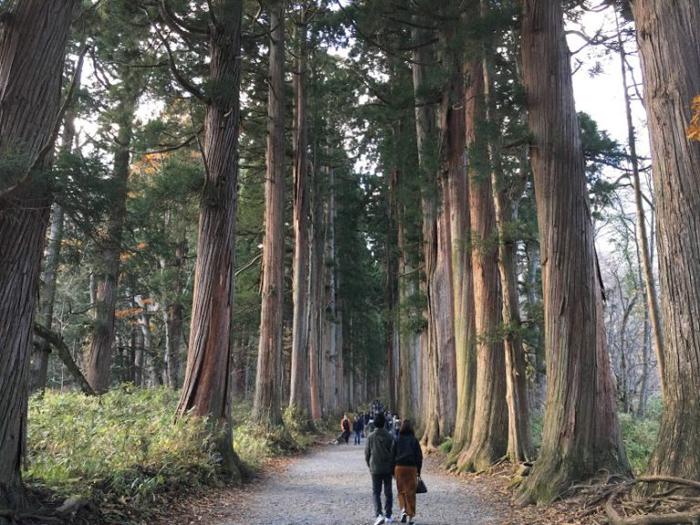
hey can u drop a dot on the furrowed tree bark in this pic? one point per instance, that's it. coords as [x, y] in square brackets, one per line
[453, 117]
[410, 316]
[391, 291]
[436, 281]
[409, 344]
[316, 279]
[519, 442]
[648, 271]
[580, 434]
[207, 390]
[268, 383]
[32, 47]
[99, 357]
[300, 398]
[669, 44]
[328, 304]
[489, 438]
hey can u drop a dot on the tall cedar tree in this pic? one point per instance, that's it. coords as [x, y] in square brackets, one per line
[268, 383]
[299, 398]
[489, 432]
[32, 46]
[454, 142]
[207, 387]
[669, 43]
[99, 358]
[580, 434]
[438, 410]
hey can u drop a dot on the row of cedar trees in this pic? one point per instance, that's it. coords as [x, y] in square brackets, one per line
[455, 377]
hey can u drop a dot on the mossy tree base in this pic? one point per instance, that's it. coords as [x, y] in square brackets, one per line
[552, 475]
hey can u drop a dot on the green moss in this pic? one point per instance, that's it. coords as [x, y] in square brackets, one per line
[446, 446]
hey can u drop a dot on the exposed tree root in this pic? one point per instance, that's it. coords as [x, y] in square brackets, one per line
[659, 509]
[23, 517]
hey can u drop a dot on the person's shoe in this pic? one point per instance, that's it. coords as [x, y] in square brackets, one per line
[404, 517]
[389, 519]
[379, 520]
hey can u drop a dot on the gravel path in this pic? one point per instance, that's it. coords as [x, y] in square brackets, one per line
[331, 485]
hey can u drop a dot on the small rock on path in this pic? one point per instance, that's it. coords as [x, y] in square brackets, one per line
[331, 485]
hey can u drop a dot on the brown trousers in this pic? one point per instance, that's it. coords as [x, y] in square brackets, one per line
[406, 483]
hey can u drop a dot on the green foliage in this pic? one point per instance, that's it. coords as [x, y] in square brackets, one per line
[123, 446]
[536, 424]
[639, 435]
[256, 444]
[599, 151]
[446, 446]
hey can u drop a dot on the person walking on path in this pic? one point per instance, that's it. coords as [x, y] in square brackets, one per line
[345, 428]
[407, 457]
[379, 458]
[357, 427]
[396, 426]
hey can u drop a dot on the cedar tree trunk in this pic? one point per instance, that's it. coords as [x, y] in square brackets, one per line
[207, 387]
[268, 382]
[32, 47]
[99, 358]
[489, 431]
[580, 434]
[669, 43]
[300, 398]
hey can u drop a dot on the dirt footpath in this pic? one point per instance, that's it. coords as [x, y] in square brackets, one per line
[331, 485]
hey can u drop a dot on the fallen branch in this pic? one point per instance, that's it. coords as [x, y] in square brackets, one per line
[64, 353]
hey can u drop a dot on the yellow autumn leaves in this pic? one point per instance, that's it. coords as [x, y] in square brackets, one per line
[694, 128]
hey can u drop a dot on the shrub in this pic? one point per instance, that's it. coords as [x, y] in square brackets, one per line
[639, 435]
[124, 449]
[123, 445]
[446, 446]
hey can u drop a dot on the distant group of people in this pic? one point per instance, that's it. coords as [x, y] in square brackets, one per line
[391, 450]
[364, 423]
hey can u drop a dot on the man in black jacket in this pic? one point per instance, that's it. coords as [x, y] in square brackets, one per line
[379, 458]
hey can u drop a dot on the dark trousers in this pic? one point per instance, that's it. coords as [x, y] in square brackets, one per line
[377, 481]
[358, 439]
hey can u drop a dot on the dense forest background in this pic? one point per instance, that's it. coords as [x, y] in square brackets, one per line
[300, 206]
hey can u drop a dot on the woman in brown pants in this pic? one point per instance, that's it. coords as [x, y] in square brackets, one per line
[408, 460]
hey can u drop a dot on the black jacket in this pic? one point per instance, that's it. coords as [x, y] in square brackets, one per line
[407, 452]
[378, 452]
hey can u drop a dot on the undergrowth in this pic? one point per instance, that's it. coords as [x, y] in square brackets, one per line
[638, 434]
[446, 446]
[125, 450]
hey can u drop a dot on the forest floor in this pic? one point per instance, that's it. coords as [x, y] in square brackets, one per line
[331, 485]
